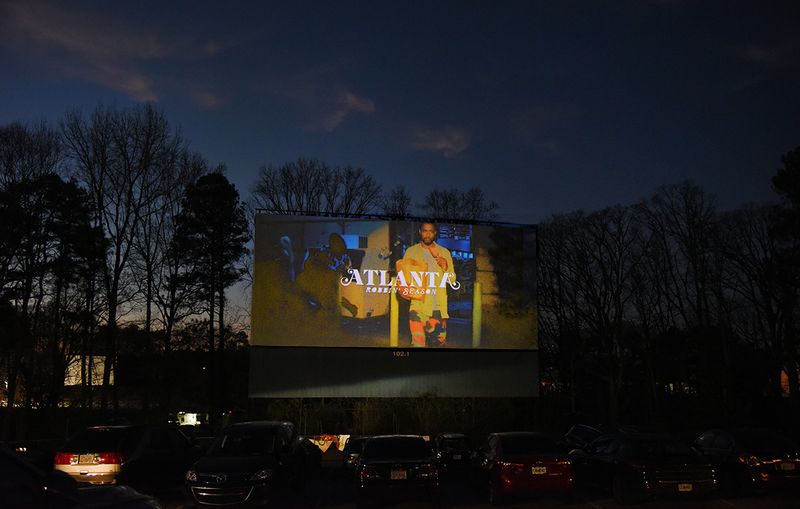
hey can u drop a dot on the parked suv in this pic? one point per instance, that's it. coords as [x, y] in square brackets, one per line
[247, 463]
[637, 466]
[149, 458]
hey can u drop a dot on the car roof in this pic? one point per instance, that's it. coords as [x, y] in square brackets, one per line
[512, 434]
[638, 436]
[115, 426]
[261, 424]
[451, 435]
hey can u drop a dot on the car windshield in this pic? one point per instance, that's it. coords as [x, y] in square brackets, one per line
[355, 444]
[244, 442]
[449, 444]
[528, 444]
[655, 448]
[398, 448]
[764, 441]
[111, 439]
[583, 433]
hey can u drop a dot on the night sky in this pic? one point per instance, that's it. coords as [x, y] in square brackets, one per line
[548, 106]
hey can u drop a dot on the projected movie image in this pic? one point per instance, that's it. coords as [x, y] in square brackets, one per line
[331, 282]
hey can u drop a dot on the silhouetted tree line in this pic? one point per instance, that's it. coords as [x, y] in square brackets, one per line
[117, 241]
[670, 308]
[109, 221]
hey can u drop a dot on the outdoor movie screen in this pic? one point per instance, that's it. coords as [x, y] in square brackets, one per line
[345, 282]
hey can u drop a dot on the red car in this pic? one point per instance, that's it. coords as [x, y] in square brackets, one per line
[522, 463]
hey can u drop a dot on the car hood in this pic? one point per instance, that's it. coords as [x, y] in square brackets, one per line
[234, 464]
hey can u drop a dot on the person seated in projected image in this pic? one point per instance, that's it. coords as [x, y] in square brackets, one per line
[319, 279]
[428, 315]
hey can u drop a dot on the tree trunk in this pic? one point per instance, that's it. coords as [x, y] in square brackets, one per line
[212, 360]
[222, 382]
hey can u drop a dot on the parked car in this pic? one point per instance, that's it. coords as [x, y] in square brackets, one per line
[634, 467]
[521, 463]
[248, 463]
[453, 451]
[397, 466]
[352, 451]
[751, 459]
[23, 485]
[152, 459]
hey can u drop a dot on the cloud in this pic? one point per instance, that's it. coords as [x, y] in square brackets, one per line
[321, 94]
[207, 99]
[87, 46]
[448, 141]
[347, 103]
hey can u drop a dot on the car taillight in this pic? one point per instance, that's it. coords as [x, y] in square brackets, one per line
[563, 462]
[427, 470]
[751, 461]
[505, 465]
[108, 458]
[65, 458]
[368, 472]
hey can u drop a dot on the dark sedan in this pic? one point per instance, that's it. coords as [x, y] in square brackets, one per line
[247, 463]
[521, 463]
[397, 466]
[751, 459]
[634, 467]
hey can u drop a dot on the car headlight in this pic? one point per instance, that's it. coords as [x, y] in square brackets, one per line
[261, 475]
[191, 475]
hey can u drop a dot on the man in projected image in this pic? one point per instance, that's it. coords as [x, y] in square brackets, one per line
[428, 314]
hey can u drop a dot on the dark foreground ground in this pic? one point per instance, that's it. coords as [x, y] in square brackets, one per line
[331, 489]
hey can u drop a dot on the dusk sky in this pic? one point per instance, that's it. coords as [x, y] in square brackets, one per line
[547, 106]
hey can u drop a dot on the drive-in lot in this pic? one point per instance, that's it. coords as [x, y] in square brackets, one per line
[331, 490]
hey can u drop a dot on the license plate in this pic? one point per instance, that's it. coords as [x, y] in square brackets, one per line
[787, 466]
[398, 474]
[539, 470]
[456, 456]
[85, 459]
[685, 486]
